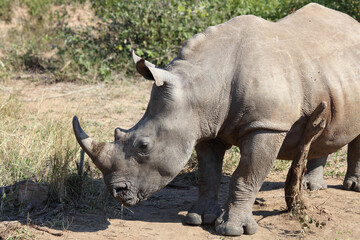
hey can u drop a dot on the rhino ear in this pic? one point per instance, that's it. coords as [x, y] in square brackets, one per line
[150, 71]
[119, 134]
[161, 76]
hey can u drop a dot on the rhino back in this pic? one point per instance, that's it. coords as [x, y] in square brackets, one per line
[275, 74]
[328, 65]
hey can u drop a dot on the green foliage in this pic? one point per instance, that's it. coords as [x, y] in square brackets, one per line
[231, 159]
[281, 165]
[336, 166]
[92, 55]
[350, 7]
[156, 29]
[159, 28]
[300, 212]
[5, 10]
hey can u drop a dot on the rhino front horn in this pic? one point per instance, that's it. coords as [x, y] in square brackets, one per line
[92, 148]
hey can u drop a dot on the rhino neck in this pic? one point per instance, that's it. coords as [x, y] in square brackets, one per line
[208, 98]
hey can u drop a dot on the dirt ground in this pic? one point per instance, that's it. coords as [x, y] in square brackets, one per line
[162, 215]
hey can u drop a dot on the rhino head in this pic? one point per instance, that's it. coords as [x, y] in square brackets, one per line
[145, 158]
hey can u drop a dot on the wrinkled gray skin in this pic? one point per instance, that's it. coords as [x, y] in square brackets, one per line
[249, 83]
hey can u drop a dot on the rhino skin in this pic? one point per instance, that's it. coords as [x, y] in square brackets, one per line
[249, 83]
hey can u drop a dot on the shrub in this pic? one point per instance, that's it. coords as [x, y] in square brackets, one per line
[157, 29]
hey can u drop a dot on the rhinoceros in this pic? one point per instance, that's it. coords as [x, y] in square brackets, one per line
[250, 83]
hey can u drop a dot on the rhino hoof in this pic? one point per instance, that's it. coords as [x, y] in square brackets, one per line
[229, 229]
[242, 224]
[222, 229]
[203, 212]
[314, 184]
[193, 219]
[351, 185]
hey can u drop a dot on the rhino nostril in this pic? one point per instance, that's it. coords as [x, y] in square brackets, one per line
[120, 189]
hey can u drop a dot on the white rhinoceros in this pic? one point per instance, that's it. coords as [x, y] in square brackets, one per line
[250, 83]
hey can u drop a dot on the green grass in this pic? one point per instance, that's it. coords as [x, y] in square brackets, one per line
[281, 165]
[231, 159]
[336, 165]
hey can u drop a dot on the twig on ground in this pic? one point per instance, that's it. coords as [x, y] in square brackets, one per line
[317, 207]
[58, 234]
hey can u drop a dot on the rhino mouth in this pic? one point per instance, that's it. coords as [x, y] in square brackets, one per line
[125, 193]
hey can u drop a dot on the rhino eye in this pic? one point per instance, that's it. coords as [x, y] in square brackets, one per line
[143, 146]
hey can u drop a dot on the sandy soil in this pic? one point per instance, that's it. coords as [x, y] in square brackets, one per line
[161, 216]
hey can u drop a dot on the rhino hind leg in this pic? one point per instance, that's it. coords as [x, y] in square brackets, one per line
[258, 152]
[352, 177]
[314, 176]
[210, 156]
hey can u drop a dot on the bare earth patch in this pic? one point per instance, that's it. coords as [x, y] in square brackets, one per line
[161, 216]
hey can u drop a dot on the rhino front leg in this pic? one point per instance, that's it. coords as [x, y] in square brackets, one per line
[258, 152]
[210, 156]
[352, 178]
[314, 176]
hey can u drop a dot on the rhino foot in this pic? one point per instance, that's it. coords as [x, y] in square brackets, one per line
[203, 212]
[314, 177]
[314, 183]
[352, 183]
[237, 225]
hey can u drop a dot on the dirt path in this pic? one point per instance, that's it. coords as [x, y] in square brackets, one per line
[161, 216]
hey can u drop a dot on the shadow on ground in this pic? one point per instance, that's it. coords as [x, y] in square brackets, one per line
[168, 205]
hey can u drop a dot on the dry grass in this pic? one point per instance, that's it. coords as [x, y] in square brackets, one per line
[15, 230]
[37, 141]
[34, 146]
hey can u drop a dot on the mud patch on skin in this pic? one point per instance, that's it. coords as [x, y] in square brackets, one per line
[97, 148]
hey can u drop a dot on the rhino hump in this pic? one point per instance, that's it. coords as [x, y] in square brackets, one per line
[311, 25]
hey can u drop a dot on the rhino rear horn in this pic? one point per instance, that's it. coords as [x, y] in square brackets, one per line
[92, 148]
[150, 71]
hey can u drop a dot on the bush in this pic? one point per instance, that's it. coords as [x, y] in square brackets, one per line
[5, 10]
[156, 29]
